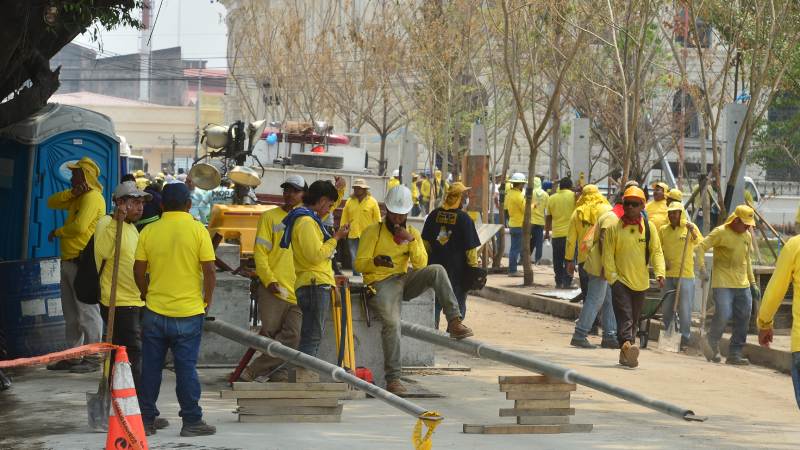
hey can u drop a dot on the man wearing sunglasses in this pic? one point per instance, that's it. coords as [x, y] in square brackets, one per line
[631, 246]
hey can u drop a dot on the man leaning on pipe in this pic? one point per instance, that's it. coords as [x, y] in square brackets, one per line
[384, 253]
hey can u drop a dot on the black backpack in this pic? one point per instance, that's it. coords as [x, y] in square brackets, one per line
[87, 280]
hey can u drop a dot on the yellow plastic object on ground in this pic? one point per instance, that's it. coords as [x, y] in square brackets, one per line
[340, 302]
[237, 222]
[431, 419]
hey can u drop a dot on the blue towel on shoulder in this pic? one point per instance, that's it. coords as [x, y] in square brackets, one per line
[290, 219]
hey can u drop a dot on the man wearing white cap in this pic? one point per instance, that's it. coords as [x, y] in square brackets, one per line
[360, 211]
[280, 316]
[388, 248]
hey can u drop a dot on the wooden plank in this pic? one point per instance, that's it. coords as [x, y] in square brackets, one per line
[516, 412]
[301, 375]
[290, 410]
[280, 394]
[533, 379]
[281, 402]
[543, 420]
[562, 387]
[537, 395]
[295, 418]
[539, 404]
[527, 429]
[241, 386]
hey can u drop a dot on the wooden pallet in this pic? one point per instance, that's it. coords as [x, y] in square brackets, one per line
[541, 406]
[304, 401]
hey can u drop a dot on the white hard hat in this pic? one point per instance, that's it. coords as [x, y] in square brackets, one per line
[398, 200]
[396, 173]
[519, 178]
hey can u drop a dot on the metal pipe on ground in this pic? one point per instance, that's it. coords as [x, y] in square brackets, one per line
[276, 349]
[484, 350]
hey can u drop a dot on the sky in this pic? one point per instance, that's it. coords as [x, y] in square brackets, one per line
[198, 26]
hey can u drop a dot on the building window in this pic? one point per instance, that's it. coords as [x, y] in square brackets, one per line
[684, 113]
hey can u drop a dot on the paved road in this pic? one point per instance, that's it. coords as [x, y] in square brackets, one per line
[747, 407]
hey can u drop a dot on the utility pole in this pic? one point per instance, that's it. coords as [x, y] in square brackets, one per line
[174, 143]
[197, 114]
[144, 52]
[555, 142]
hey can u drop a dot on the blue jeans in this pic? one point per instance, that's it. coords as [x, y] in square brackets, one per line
[736, 303]
[796, 376]
[315, 302]
[684, 306]
[180, 335]
[537, 240]
[598, 298]
[352, 245]
[515, 251]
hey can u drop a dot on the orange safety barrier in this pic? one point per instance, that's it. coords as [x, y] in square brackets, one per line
[72, 353]
[237, 222]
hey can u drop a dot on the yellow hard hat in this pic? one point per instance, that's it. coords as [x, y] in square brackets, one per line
[634, 192]
[675, 206]
[662, 185]
[675, 194]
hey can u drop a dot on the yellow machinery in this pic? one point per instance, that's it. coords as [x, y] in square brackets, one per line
[237, 222]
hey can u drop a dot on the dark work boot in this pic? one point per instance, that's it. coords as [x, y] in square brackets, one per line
[736, 359]
[610, 342]
[198, 429]
[711, 352]
[581, 343]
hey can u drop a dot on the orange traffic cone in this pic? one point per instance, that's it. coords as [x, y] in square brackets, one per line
[125, 427]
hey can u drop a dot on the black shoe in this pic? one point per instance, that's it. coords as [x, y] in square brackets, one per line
[610, 342]
[85, 366]
[711, 352]
[582, 343]
[577, 299]
[684, 347]
[737, 360]
[149, 429]
[198, 429]
[160, 423]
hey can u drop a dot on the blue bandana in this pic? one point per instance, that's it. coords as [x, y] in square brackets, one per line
[290, 219]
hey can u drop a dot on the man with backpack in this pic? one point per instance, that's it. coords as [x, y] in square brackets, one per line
[85, 205]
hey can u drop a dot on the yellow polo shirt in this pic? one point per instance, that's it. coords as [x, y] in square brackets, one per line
[539, 206]
[514, 203]
[657, 212]
[415, 193]
[787, 270]
[425, 189]
[594, 259]
[560, 205]
[377, 240]
[104, 237]
[731, 267]
[392, 183]
[274, 264]
[624, 256]
[672, 242]
[82, 215]
[312, 256]
[360, 214]
[577, 230]
[173, 247]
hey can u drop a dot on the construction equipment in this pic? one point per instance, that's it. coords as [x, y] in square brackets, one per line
[670, 340]
[97, 404]
[480, 349]
[342, 316]
[650, 311]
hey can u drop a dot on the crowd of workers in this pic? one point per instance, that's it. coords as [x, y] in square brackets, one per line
[166, 270]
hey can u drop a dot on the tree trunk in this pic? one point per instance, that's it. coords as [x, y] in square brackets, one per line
[507, 148]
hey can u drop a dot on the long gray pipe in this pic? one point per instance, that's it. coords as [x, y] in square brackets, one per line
[483, 350]
[276, 349]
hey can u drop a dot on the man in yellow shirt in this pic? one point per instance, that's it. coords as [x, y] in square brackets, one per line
[733, 284]
[673, 236]
[787, 271]
[394, 181]
[539, 198]
[129, 204]
[388, 249]
[657, 207]
[312, 249]
[598, 293]
[425, 193]
[587, 211]
[280, 316]
[631, 246]
[360, 211]
[177, 252]
[559, 210]
[514, 203]
[415, 210]
[85, 205]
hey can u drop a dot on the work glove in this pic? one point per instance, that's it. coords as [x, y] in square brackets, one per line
[755, 292]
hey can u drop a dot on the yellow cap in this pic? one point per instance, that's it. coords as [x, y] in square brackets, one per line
[634, 192]
[662, 185]
[675, 206]
[675, 194]
[745, 213]
[457, 188]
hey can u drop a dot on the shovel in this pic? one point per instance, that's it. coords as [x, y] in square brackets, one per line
[97, 404]
[670, 341]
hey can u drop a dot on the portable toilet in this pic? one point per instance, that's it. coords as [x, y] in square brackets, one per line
[34, 154]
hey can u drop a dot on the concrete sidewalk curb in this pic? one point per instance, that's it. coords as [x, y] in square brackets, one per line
[779, 360]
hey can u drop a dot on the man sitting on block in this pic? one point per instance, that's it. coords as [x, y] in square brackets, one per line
[384, 253]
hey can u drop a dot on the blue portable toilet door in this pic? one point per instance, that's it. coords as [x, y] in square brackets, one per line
[51, 175]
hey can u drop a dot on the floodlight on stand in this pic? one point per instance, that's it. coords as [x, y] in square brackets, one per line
[215, 136]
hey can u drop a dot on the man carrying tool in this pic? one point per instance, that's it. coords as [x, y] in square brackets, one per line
[657, 207]
[733, 284]
[85, 205]
[280, 316]
[177, 252]
[451, 240]
[559, 210]
[514, 203]
[360, 211]
[673, 237]
[384, 255]
[631, 246]
[787, 271]
[312, 250]
[129, 203]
